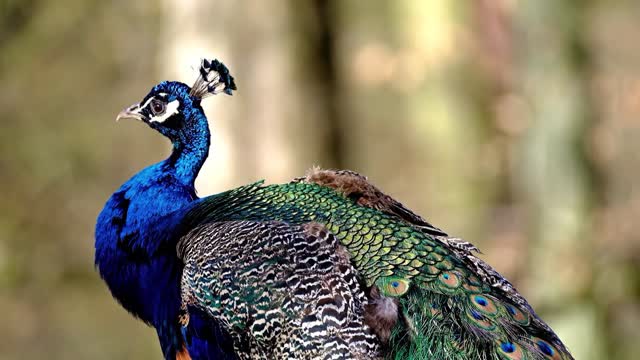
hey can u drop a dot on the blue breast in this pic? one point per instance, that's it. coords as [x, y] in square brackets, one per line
[136, 234]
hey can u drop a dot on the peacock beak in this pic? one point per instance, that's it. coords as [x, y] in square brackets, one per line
[132, 112]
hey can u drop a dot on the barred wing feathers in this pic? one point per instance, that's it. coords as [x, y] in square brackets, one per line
[281, 291]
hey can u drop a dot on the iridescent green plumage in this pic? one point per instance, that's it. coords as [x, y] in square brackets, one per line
[442, 302]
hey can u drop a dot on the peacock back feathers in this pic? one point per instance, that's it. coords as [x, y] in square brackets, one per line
[429, 295]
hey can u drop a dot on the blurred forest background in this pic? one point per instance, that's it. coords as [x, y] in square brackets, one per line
[513, 124]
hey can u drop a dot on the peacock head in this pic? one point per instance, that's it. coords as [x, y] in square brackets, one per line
[172, 107]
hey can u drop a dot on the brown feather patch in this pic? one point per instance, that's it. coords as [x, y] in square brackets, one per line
[348, 183]
[183, 354]
[358, 188]
[315, 229]
[381, 314]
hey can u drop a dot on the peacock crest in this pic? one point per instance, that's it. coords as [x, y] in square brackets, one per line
[213, 78]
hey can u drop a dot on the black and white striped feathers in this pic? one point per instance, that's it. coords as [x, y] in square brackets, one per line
[281, 291]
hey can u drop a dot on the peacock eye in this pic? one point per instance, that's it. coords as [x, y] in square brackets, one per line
[157, 107]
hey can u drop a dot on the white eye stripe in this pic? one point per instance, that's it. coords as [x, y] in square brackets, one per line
[146, 103]
[172, 108]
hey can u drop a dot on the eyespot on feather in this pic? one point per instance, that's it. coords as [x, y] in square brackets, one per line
[449, 281]
[479, 320]
[517, 315]
[434, 310]
[393, 286]
[546, 349]
[483, 304]
[510, 351]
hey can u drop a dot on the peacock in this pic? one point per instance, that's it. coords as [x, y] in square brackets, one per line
[326, 266]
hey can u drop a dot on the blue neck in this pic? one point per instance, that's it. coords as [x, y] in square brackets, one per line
[190, 152]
